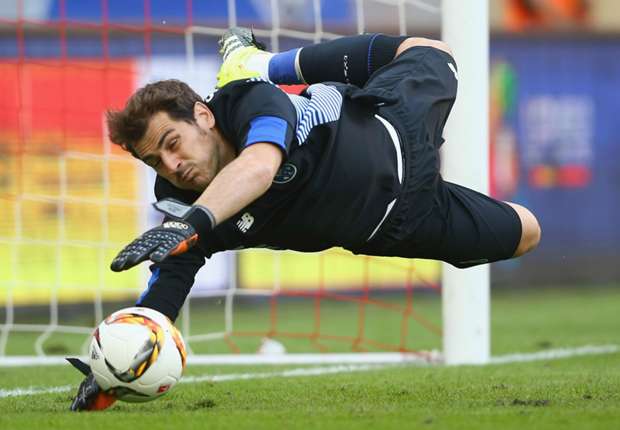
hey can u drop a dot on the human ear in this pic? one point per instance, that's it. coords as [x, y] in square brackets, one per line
[203, 115]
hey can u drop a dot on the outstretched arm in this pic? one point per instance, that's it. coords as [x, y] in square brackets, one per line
[238, 184]
[242, 181]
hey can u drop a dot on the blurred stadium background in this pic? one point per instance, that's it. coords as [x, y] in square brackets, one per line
[69, 199]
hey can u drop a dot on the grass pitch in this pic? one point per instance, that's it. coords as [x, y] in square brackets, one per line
[574, 393]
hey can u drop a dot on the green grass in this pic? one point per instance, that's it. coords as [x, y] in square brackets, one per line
[574, 393]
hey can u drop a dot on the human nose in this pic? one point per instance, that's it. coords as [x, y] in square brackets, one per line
[171, 161]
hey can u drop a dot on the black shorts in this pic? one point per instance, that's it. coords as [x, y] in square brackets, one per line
[433, 218]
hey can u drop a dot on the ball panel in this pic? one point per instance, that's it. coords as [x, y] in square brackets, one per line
[97, 365]
[152, 391]
[178, 341]
[121, 343]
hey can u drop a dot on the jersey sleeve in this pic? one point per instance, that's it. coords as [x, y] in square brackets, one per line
[259, 111]
[171, 281]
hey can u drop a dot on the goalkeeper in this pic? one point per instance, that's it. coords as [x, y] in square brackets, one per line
[353, 162]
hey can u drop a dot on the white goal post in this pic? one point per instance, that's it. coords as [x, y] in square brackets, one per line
[466, 292]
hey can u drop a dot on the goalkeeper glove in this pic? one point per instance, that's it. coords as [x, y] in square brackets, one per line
[171, 238]
[90, 397]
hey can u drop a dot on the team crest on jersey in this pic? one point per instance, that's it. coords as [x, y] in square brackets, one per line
[245, 222]
[286, 174]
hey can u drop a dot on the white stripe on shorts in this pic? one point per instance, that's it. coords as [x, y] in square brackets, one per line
[399, 168]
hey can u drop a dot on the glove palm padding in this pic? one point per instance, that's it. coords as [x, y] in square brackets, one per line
[170, 238]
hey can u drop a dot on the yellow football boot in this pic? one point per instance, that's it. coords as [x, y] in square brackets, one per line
[239, 49]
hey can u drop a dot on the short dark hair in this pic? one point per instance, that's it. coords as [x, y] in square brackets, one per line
[126, 127]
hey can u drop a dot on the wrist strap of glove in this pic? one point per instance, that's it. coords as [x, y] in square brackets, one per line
[201, 219]
[197, 216]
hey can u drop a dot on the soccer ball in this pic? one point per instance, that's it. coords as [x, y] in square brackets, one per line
[137, 354]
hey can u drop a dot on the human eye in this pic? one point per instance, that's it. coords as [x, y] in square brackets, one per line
[173, 143]
[153, 162]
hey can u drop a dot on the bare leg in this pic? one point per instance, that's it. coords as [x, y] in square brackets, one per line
[421, 41]
[530, 231]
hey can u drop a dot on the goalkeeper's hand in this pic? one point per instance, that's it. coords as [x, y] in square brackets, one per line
[89, 397]
[171, 238]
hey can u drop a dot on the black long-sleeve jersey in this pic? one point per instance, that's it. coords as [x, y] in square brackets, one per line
[339, 178]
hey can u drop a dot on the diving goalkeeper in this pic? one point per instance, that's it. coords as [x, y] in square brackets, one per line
[353, 162]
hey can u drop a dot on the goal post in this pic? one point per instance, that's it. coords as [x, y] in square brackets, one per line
[466, 292]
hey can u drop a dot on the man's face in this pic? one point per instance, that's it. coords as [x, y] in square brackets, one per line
[189, 155]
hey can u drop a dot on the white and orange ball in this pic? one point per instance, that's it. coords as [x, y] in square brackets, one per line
[137, 354]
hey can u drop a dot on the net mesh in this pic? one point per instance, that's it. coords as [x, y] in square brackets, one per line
[70, 199]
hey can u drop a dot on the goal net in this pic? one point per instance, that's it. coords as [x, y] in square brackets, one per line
[70, 199]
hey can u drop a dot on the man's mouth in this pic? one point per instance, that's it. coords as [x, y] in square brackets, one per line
[188, 175]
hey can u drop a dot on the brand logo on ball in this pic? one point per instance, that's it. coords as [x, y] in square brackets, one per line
[286, 174]
[175, 224]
